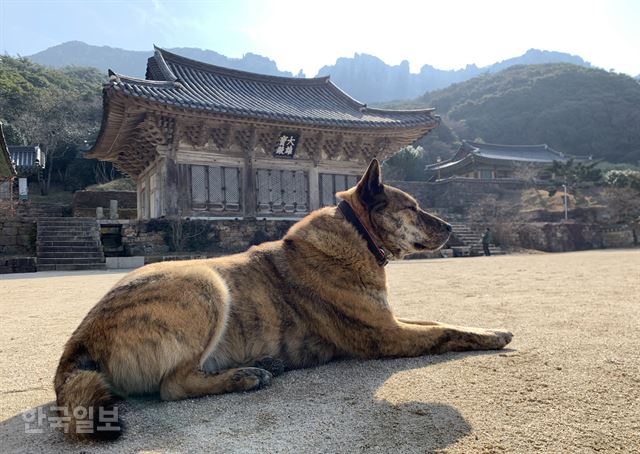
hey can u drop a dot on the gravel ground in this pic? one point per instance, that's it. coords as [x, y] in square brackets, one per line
[570, 381]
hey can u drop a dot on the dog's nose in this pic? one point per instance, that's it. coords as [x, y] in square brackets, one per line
[448, 227]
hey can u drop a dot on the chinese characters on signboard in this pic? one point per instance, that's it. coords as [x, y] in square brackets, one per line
[287, 143]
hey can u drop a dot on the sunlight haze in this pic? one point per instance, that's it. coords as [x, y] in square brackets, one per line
[308, 35]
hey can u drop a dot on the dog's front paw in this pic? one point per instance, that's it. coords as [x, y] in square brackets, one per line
[250, 379]
[273, 365]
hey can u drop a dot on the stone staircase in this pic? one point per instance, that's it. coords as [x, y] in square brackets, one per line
[41, 210]
[65, 244]
[472, 239]
[465, 239]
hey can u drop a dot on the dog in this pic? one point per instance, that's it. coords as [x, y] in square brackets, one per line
[193, 328]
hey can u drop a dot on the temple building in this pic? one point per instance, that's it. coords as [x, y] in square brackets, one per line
[211, 142]
[491, 161]
[28, 160]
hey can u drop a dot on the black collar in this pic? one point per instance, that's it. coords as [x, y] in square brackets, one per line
[352, 217]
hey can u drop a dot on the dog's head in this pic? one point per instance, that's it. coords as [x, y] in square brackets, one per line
[394, 216]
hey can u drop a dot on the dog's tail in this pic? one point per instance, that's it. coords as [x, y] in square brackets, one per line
[85, 401]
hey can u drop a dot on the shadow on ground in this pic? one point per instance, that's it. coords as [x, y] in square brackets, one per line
[326, 409]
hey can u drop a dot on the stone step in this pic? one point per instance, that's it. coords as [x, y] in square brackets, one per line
[67, 261]
[79, 249]
[95, 253]
[72, 230]
[72, 267]
[61, 222]
[472, 238]
[67, 235]
[495, 250]
[59, 227]
[67, 224]
[78, 237]
[67, 219]
[68, 243]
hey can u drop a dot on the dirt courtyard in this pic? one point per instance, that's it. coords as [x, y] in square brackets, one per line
[569, 381]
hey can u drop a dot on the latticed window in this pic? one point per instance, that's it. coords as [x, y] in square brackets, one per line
[486, 174]
[282, 191]
[331, 183]
[215, 188]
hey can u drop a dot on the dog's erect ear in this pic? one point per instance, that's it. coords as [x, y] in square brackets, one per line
[370, 189]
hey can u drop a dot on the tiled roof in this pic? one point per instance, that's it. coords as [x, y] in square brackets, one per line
[528, 153]
[477, 151]
[26, 157]
[178, 81]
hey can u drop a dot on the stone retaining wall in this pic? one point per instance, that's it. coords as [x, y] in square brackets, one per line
[17, 236]
[456, 195]
[162, 236]
[17, 265]
[564, 237]
[86, 202]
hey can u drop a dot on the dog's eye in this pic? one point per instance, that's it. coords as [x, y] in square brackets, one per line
[412, 208]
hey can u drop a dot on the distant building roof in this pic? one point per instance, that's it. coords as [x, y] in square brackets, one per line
[181, 82]
[476, 151]
[7, 170]
[530, 153]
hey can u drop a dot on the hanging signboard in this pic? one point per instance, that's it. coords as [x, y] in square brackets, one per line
[287, 143]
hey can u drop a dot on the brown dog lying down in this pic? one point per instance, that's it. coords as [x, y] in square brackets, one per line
[187, 329]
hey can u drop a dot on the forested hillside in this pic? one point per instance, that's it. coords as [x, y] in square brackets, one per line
[576, 110]
[33, 97]
[58, 109]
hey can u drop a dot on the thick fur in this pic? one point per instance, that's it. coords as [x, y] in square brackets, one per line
[188, 329]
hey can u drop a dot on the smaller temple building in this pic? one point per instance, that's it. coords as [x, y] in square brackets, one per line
[203, 141]
[492, 161]
[27, 159]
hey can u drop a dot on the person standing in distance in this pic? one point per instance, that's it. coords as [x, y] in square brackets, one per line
[486, 241]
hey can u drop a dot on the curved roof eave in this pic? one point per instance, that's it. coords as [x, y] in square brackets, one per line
[294, 119]
[164, 67]
[109, 130]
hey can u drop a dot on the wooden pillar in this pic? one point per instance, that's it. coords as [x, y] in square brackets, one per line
[314, 187]
[314, 174]
[171, 187]
[249, 180]
[138, 198]
[176, 193]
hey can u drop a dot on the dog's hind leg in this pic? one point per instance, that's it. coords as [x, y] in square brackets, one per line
[188, 380]
[415, 340]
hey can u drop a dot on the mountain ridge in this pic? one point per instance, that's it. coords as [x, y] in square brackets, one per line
[365, 77]
[134, 62]
[360, 76]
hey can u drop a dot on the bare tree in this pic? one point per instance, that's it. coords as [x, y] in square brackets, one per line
[179, 236]
[104, 172]
[55, 121]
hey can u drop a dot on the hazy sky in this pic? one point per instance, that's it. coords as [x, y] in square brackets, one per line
[302, 34]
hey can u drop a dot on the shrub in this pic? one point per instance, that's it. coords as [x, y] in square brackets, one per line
[623, 179]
